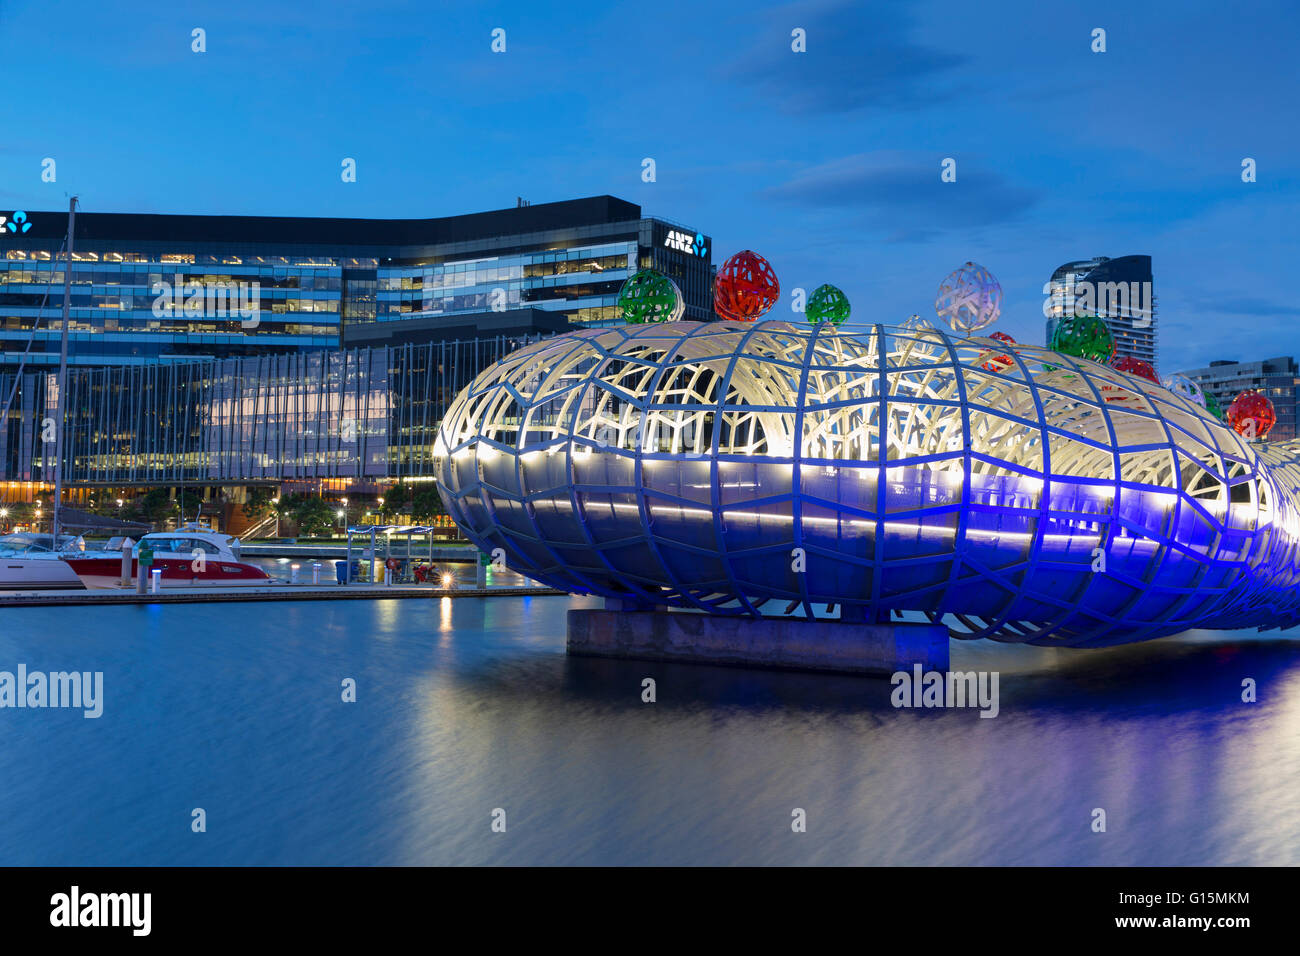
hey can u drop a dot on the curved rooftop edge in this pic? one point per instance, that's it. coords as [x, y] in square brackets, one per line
[95, 227]
[1010, 492]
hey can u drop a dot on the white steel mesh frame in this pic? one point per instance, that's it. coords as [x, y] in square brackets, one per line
[697, 464]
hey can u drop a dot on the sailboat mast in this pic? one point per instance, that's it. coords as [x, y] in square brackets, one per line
[63, 375]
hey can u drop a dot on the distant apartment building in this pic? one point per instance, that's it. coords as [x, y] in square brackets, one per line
[1278, 378]
[1119, 291]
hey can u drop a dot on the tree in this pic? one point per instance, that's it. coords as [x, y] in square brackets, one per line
[286, 506]
[157, 505]
[258, 503]
[397, 499]
[426, 502]
[21, 513]
[313, 516]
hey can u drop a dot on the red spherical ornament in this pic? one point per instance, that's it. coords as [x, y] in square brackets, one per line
[994, 362]
[1252, 414]
[1135, 366]
[745, 288]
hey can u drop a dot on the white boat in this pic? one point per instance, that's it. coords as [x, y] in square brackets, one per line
[37, 562]
[192, 556]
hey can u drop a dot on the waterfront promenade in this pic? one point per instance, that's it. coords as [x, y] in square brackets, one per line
[275, 592]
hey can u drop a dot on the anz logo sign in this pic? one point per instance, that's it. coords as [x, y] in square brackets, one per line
[684, 242]
[18, 222]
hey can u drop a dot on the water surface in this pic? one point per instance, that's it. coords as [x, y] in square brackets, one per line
[469, 705]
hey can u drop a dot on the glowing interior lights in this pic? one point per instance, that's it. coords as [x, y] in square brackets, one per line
[1032, 470]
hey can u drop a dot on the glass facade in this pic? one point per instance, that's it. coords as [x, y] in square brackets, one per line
[582, 282]
[149, 290]
[133, 308]
[364, 414]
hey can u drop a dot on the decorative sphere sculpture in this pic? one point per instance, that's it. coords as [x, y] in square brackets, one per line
[914, 323]
[1133, 365]
[650, 296]
[969, 299]
[1083, 336]
[745, 288]
[1180, 384]
[1252, 414]
[1212, 406]
[926, 338]
[828, 304]
[998, 362]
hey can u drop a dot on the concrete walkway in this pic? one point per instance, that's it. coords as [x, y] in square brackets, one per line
[441, 552]
[280, 592]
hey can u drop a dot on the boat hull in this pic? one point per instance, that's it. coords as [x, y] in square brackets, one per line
[176, 573]
[38, 574]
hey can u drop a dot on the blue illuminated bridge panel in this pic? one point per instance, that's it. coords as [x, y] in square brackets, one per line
[1007, 491]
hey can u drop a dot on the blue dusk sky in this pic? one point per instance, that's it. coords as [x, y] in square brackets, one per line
[827, 162]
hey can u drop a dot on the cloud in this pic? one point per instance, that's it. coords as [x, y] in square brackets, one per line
[859, 57]
[1251, 305]
[904, 197]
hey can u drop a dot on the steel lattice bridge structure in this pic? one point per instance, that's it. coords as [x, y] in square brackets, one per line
[1008, 492]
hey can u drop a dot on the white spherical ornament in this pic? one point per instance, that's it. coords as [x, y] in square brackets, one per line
[969, 299]
[919, 337]
[1180, 384]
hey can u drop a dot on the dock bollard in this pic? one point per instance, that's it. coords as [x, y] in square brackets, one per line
[143, 561]
[155, 580]
[315, 572]
[293, 574]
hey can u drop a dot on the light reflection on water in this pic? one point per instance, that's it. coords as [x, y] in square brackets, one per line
[463, 573]
[467, 705]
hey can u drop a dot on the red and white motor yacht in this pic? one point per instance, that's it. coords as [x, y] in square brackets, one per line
[192, 556]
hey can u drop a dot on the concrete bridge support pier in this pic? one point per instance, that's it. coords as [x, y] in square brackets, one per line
[844, 647]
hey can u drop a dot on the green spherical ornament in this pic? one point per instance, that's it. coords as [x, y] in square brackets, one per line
[1212, 406]
[828, 304]
[1084, 336]
[650, 296]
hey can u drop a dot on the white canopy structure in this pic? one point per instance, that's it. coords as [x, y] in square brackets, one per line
[1009, 491]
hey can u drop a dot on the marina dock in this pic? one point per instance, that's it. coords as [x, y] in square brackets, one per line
[314, 551]
[278, 592]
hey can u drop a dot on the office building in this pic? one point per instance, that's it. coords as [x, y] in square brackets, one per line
[1278, 378]
[150, 289]
[1119, 291]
